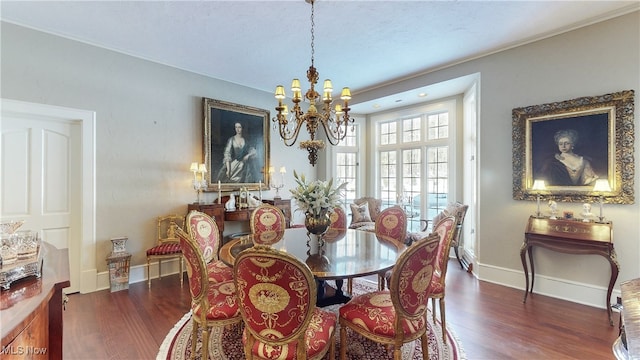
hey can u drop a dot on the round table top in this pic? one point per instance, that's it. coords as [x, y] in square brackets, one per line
[340, 254]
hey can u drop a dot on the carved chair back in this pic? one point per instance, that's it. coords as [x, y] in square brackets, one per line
[267, 217]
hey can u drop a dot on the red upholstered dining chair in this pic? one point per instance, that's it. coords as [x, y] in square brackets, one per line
[338, 227]
[277, 297]
[338, 218]
[212, 303]
[167, 244]
[204, 232]
[445, 229]
[267, 217]
[268, 237]
[391, 224]
[399, 315]
[457, 209]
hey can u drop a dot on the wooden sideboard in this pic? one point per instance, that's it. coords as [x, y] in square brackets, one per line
[572, 237]
[31, 310]
[219, 214]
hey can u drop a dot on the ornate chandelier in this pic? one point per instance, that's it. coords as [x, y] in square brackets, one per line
[334, 120]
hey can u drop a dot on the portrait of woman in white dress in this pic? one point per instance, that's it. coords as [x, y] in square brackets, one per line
[236, 144]
[570, 152]
[566, 168]
[239, 160]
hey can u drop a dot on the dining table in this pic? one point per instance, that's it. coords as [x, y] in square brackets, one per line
[337, 255]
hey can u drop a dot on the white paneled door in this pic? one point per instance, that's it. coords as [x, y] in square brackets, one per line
[41, 180]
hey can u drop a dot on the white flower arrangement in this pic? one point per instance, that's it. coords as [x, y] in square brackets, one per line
[312, 197]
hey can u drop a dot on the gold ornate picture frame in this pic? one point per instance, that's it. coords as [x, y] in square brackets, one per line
[598, 129]
[235, 145]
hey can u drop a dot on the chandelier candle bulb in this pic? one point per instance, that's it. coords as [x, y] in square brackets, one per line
[346, 94]
[295, 86]
[280, 92]
[328, 87]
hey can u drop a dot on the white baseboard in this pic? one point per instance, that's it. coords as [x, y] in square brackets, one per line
[88, 281]
[138, 273]
[581, 293]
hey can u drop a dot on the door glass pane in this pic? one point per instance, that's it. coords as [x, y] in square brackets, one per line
[388, 168]
[438, 180]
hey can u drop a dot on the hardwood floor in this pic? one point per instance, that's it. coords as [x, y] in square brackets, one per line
[490, 320]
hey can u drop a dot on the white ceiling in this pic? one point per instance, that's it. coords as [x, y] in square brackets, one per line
[360, 44]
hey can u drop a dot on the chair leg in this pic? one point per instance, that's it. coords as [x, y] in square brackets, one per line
[424, 341]
[350, 286]
[332, 348]
[148, 274]
[397, 352]
[343, 342]
[455, 250]
[194, 337]
[181, 271]
[159, 269]
[433, 308]
[444, 323]
[205, 341]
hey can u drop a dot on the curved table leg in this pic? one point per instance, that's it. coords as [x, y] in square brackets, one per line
[523, 257]
[533, 269]
[615, 269]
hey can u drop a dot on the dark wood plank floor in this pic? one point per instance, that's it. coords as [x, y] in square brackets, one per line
[490, 320]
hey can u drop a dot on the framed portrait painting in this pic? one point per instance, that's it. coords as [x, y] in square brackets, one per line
[572, 144]
[236, 145]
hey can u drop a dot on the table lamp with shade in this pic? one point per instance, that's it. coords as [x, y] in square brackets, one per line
[601, 186]
[538, 186]
[198, 185]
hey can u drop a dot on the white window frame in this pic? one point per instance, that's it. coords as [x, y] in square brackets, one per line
[423, 110]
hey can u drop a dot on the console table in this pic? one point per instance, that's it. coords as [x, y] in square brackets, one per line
[220, 215]
[572, 237]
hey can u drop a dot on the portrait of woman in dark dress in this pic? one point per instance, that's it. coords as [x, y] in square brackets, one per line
[566, 168]
[239, 162]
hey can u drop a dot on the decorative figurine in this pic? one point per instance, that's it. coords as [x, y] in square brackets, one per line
[252, 201]
[586, 212]
[553, 206]
[231, 204]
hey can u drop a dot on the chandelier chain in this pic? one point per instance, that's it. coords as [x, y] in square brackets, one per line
[313, 25]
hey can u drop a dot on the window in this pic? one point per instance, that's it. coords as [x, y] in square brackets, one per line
[414, 159]
[346, 160]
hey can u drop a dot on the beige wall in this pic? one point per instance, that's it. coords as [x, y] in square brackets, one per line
[599, 59]
[149, 129]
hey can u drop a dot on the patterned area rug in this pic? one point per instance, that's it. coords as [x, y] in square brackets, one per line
[226, 343]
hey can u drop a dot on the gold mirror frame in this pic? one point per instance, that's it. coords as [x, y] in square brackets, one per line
[219, 126]
[613, 117]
